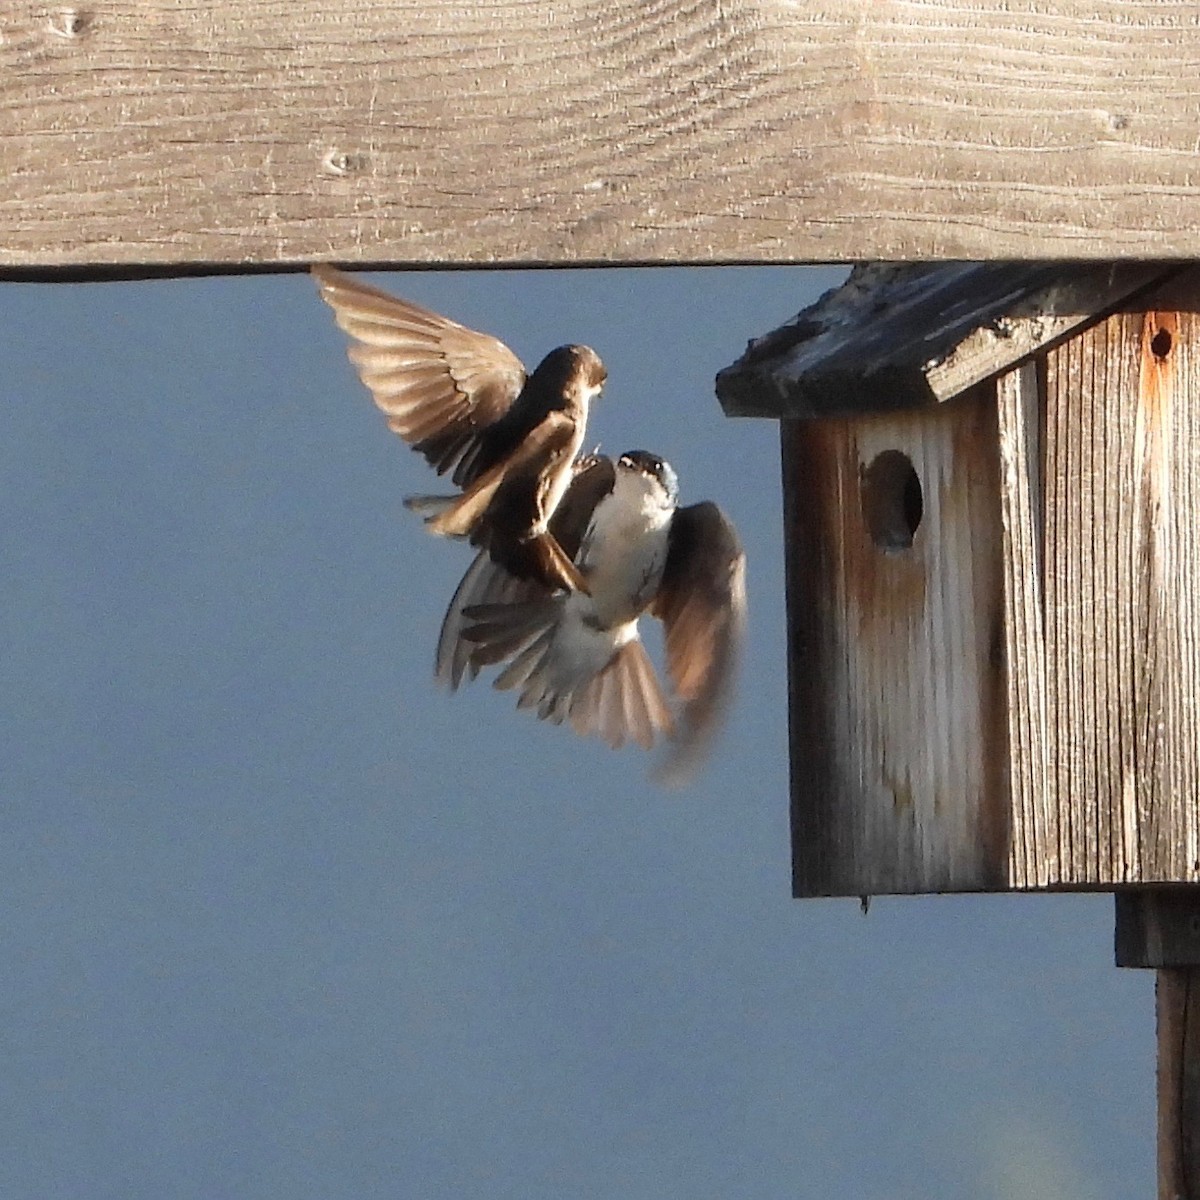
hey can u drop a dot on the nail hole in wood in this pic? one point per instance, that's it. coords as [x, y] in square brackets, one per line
[892, 500]
[1160, 343]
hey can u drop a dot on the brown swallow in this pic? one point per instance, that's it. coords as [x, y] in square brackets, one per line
[464, 400]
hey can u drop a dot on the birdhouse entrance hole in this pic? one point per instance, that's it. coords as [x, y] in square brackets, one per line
[892, 500]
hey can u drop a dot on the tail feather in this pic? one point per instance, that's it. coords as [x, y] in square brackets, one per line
[658, 710]
[584, 707]
[612, 718]
[565, 669]
[637, 715]
[623, 702]
[555, 707]
[522, 667]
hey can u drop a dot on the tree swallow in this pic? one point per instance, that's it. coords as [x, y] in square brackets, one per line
[463, 400]
[578, 655]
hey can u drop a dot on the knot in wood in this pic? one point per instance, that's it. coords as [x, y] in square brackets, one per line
[68, 22]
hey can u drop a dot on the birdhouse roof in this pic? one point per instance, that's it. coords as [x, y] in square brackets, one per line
[897, 336]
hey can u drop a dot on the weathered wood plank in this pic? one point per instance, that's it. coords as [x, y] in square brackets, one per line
[897, 337]
[1168, 434]
[1081, 602]
[171, 135]
[899, 776]
[1034, 858]
[1122, 618]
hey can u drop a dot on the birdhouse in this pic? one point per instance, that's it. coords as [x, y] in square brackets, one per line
[992, 525]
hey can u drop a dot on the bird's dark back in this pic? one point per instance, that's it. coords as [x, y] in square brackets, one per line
[543, 393]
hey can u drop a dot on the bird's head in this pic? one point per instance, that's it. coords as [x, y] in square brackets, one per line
[653, 466]
[573, 370]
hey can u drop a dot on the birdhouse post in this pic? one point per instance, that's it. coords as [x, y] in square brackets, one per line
[992, 524]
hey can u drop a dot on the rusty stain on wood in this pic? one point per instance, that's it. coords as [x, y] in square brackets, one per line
[142, 132]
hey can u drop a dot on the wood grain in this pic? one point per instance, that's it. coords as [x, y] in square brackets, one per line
[1122, 616]
[165, 135]
[1035, 854]
[896, 664]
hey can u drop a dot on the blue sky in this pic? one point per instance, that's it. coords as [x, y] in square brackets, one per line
[283, 919]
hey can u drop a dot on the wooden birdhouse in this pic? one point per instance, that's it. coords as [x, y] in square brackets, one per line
[992, 525]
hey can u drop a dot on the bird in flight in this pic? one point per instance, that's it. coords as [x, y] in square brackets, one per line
[464, 400]
[578, 656]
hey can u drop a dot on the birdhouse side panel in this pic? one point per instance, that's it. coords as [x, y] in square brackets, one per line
[895, 602]
[1122, 599]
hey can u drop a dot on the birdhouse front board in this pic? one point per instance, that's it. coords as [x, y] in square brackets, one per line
[896, 623]
[994, 621]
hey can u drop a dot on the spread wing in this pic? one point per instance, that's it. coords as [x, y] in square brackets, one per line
[702, 605]
[440, 385]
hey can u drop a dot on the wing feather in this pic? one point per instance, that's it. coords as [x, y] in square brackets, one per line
[485, 583]
[594, 478]
[462, 518]
[516, 605]
[414, 361]
[702, 605]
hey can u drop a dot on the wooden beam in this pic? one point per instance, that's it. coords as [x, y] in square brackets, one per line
[158, 135]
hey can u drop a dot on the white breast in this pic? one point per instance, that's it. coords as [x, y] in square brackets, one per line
[625, 548]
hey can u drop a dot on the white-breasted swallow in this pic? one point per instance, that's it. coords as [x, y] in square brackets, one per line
[578, 656]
